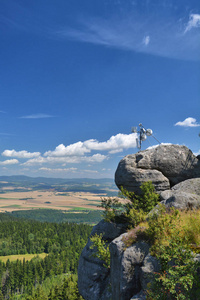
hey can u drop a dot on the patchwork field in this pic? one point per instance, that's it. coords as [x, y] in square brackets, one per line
[11, 201]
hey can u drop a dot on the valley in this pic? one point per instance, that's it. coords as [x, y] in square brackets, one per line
[26, 193]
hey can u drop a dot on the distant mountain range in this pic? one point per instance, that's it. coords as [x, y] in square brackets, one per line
[46, 180]
[60, 184]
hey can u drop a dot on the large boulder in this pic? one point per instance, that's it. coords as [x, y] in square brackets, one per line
[188, 186]
[164, 165]
[184, 195]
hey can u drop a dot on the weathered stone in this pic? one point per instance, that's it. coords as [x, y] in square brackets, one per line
[181, 200]
[109, 230]
[188, 186]
[150, 265]
[175, 164]
[125, 268]
[166, 195]
[140, 296]
[93, 277]
[131, 177]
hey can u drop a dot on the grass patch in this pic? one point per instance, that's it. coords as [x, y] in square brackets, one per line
[186, 223]
[74, 208]
[21, 257]
[11, 206]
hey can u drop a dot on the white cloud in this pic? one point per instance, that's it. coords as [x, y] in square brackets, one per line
[9, 162]
[115, 144]
[20, 154]
[71, 150]
[96, 158]
[37, 116]
[197, 153]
[34, 161]
[76, 153]
[146, 40]
[188, 122]
[194, 22]
[58, 170]
[90, 171]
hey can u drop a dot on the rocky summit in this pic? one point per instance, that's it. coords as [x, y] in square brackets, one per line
[163, 165]
[175, 172]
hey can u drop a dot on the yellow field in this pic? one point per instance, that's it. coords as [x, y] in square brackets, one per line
[11, 201]
[21, 257]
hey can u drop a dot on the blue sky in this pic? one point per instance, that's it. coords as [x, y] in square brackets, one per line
[76, 75]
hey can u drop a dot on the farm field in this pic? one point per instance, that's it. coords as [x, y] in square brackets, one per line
[26, 193]
[11, 201]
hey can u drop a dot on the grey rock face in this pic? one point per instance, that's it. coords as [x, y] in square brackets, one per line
[140, 296]
[93, 277]
[131, 268]
[173, 162]
[109, 230]
[188, 186]
[184, 195]
[131, 177]
[180, 200]
[150, 265]
[125, 268]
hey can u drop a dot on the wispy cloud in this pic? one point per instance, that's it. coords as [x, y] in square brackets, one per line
[6, 134]
[165, 35]
[194, 22]
[188, 122]
[37, 116]
[146, 40]
[58, 170]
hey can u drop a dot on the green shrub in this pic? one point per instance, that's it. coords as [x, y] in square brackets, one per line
[102, 249]
[112, 208]
[146, 201]
[161, 224]
[178, 275]
[134, 217]
[134, 210]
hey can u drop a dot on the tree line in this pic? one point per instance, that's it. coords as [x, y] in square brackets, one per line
[62, 242]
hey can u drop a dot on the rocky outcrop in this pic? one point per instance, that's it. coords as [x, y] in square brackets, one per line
[132, 268]
[130, 271]
[93, 277]
[126, 268]
[131, 177]
[164, 165]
